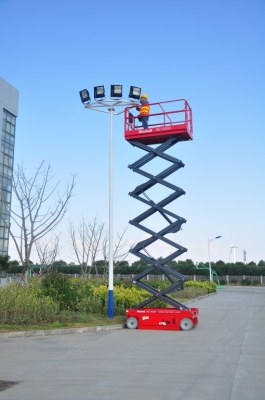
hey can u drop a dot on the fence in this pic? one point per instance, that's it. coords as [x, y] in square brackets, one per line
[224, 280]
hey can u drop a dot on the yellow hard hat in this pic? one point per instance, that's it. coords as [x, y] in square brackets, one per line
[144, 96]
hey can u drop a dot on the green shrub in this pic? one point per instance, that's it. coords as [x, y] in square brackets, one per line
[158, 284]
[90, 304]
[246, 282]
[66, 291]
[23, 305]
[123, 297]
[210, 287]
[191, 292]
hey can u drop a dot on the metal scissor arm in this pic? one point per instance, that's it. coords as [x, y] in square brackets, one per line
[174, 222]
[154, 152]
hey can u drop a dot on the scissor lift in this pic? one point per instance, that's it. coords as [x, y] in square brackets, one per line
[170, 122]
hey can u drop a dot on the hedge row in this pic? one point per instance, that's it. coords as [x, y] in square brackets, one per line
[45, 299]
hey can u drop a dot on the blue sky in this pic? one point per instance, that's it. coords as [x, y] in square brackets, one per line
[208, 52]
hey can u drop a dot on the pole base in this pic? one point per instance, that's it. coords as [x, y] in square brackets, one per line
[110, 304]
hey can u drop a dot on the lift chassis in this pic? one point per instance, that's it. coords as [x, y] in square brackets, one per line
[176, 126]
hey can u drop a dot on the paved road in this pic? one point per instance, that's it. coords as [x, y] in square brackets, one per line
[222, 358]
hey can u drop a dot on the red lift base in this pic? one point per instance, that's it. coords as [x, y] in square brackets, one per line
[162, 318]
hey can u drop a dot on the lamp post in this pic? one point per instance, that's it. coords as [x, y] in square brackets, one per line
[209, 255]
[108, 106]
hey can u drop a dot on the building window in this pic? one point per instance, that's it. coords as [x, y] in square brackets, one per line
[7, 141]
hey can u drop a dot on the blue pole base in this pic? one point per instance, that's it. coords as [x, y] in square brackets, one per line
[110, 304]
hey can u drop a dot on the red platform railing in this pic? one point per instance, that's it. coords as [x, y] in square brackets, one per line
[166, 119]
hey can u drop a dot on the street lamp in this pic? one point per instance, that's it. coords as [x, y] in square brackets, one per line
[108, 106]
[99, 92]
[84, 95]
[116, 91]
[209, 255]
[135, 92]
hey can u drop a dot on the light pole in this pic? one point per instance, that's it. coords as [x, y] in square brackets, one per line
[209, 255]
[108, 106]
[110, 290]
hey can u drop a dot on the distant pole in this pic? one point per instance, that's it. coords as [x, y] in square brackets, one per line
[244, 256]
[209, 259]
[234, 254]
[209, 256]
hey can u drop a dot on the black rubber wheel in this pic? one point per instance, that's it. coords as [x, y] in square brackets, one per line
[186, 324]
[132, 323]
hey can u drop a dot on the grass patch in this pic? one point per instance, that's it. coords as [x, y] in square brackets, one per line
[67, 320]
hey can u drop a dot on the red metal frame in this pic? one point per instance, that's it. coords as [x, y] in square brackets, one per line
[162, 318]
[167, 119]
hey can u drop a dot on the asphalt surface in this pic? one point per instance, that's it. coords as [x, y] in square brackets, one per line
[223, 358]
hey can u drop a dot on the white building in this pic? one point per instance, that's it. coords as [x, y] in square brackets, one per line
[8, 113]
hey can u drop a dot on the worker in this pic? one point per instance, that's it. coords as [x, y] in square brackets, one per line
[144, 110]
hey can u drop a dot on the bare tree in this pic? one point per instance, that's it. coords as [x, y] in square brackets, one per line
[47, 253]
[86, 239]
[34, 217]
[82, 244]
[121, 250]
[89, 242]
[96, 237]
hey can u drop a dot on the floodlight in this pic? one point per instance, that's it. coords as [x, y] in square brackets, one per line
[116, 91]
[99, 92]
[135, 92]
[84, 95]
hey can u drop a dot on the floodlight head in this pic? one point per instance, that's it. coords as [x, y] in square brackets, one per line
[135, 92]
[99, 92]
[116, 91]
[84, 95]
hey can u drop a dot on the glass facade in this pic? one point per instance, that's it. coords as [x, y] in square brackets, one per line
[6, 174]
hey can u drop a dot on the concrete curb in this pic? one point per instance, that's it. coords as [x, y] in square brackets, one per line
[61, 331]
